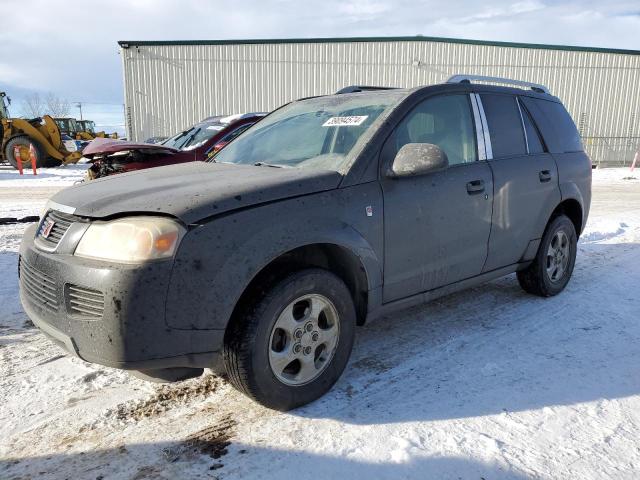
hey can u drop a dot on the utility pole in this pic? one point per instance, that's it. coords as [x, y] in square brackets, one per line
[79, 105]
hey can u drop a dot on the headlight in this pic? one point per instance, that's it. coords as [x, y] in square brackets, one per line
[131, 239]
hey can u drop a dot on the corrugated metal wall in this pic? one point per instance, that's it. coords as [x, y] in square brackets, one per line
[169, 87]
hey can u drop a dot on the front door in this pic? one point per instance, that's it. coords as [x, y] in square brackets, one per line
[436, 226]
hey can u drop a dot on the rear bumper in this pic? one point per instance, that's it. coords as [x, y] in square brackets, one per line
[127, 329]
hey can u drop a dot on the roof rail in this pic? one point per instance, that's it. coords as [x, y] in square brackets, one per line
[361, 88]
[468, 78]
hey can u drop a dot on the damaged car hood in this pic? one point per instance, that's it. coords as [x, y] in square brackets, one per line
[192, 191]
[102, 146]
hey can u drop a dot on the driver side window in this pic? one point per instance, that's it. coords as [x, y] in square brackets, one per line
[443, 121]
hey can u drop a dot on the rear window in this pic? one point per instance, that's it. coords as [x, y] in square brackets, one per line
[566, 132]
[505, 125]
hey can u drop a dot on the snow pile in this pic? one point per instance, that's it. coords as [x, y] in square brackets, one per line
[603, 231]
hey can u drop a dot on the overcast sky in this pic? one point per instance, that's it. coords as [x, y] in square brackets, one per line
[70, 47]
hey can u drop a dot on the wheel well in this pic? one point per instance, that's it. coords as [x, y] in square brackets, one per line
[572, 209]
[336, 259]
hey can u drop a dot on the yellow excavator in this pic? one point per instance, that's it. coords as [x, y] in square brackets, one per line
[17, 135]
[81, 129]
[87, 131]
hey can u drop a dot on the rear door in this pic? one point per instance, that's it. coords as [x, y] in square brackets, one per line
[436, 226]
[525, 181]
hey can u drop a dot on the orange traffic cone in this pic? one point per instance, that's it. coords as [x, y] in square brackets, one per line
[18, 156]
[32, 156]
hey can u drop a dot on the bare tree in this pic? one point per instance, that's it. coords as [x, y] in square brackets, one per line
[33, 106]
[56, 106]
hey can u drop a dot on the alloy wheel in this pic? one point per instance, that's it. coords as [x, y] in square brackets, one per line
[558, 255]
[304, 339]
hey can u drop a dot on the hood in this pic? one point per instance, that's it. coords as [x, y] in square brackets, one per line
[101, 146]
[192, 191]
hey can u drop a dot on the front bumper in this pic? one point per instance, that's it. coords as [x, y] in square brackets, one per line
[118, 319]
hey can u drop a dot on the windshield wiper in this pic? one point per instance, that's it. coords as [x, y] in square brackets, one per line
[189, 139]
[264, 164]
[174, 139]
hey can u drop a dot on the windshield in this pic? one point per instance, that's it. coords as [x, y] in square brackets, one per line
[322, 132]
[194, 136]
[87, 126]
[67, 124]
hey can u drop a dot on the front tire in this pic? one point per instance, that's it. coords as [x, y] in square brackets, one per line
[42, 160]
[293, 343]
[553, 265]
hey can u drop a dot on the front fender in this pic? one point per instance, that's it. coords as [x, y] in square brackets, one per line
[216, 261]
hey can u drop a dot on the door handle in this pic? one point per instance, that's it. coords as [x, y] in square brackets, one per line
[545, 176]
[475, 186]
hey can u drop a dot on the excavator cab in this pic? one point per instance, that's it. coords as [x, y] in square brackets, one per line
[88, 126]
[88, 131]
[67, 126]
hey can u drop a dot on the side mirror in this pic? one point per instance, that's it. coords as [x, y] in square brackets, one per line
[415, 159]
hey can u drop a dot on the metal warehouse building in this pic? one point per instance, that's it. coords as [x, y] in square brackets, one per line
[171, 85]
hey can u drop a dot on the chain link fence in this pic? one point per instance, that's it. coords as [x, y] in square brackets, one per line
[611, 151]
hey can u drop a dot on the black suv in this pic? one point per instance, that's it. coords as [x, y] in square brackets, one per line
[329, 212]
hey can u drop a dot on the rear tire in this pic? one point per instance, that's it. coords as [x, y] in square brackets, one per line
[553, 265]
[293, 343]
[42, 160]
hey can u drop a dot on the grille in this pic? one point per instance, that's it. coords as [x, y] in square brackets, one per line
[39, 288]
[61, 223]
[85, 301]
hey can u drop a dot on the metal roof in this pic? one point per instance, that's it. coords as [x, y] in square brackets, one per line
[417, 38]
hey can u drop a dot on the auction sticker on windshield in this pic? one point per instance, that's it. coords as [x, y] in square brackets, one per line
[352, 121]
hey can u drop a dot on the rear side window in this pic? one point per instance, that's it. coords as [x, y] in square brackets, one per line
[533, 137]
[505, 126]
[566, 132]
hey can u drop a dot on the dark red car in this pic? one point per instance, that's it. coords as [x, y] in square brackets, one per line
[200, 142]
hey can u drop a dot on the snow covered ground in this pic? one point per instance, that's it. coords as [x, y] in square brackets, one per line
[489, 383]
[62, 176]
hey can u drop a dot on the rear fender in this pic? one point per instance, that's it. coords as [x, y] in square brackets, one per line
[574, 175]
[570, 191]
